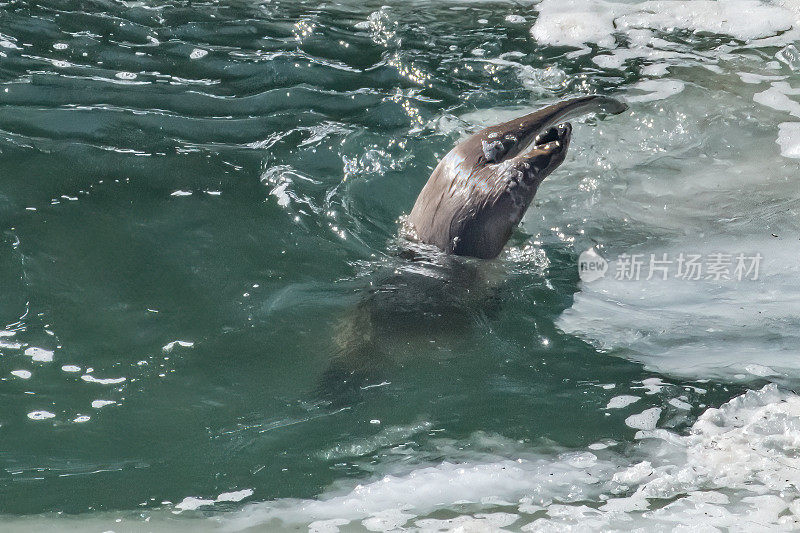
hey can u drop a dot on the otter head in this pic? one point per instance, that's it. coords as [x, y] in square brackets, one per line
[503, 188]
[480, 190]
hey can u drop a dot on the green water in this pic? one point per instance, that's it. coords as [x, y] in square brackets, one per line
[245, 201]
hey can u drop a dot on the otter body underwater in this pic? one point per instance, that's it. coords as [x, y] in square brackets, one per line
[470, 205]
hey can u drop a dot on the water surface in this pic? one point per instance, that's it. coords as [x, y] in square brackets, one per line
[197, 199]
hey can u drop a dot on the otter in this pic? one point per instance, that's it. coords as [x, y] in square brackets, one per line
[470, 205]
[480, 190]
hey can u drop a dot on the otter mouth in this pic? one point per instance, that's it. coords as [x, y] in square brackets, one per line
[550, 148]
[554, 138]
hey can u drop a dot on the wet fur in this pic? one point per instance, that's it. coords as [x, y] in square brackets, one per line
[480, 190]
[470, 205]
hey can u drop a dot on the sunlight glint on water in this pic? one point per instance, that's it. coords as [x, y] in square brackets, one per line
[198, 200]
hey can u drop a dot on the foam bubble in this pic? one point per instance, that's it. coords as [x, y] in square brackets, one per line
[618, 402]
[235, 496]
[789, 139]
[777, 97]
[651, 385]
[655, 70]
[167, 348]
[198, 53]
[22, 374]
[40, 415]
[478, 522]
[8, 42]
[103, 381]
[647, 419]
[790, 56]
[97, 404]
[393, 519]
[39, 354]
[753, 78]
[10, 345]
[191, 503]
[575, 23]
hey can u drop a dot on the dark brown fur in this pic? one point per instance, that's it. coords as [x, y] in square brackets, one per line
[481, 189]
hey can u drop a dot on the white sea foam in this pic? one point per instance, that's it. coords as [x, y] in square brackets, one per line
[697, 173]
[701, 328]
[6, 345]
[778, 97]
[736, 467]
[580, 22]
[651, 385]
[102, 381]
[618, 402]
[40, 415]
[515, 19]
[198, 53]
[235, 496]
[8, 42]
[190, 503]
[39, 354]
[647, 419]
[789, 139]
[742, 19]
[576, 23]
[167, 348]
